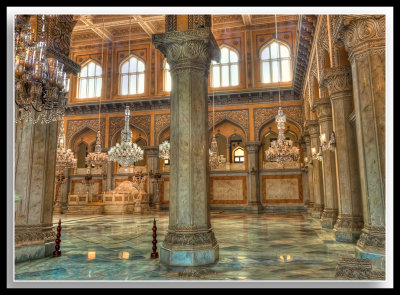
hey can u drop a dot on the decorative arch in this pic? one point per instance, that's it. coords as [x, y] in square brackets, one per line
[112, 138]
[78, 134]
[76, 126]
[161, 135]
[272, 120]
[238, 118]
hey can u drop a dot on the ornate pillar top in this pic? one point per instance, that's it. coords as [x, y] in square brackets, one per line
[252, 146]
[362, 32]
[151, 150]
[313, 128]
[337, 80]
[182, 46]
[324, 109]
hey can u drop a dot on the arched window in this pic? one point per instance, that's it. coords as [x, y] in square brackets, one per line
[238, 155]
[275, 63]
[132, 76]
[167, 77]
[225, 73]
[90, 81]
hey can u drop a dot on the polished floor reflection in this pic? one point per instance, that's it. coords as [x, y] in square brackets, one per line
[266, 246]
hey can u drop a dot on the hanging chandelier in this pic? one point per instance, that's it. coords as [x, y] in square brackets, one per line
[163, 150]
[214, 159]
[126, 153]
[281, 150]
[97, 159]
[40, 94]
[65, 157]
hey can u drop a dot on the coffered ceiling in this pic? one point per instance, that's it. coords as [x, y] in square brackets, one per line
[92, 29]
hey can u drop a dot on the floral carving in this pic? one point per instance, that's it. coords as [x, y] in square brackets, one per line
[161, 122]
[27, 234]
[349, 268]
[189, 240]
[337, 79]
[240, 117]
[75, 126]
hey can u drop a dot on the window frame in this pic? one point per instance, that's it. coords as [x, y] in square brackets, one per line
[240, 157]
[78, 88]
[229, 64]
[279, 60]
[137, 74]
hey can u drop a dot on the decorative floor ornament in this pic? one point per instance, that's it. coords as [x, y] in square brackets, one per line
[126, 153]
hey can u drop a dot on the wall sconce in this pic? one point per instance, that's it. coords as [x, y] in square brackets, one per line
[315, 155]
[330, 145]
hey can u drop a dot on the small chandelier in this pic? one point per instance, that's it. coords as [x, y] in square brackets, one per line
[126, 153]
[65, 157]
[281, 150]
[97, 159]
[214, 159]
[163, 150]
[315, 155]
[40, 94]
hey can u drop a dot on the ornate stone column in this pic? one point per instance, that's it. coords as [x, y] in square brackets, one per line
[309, 165]
[330, 213]
[109, 167]
[152, 165]
[364, 38]
[350, 221]
[190, 239]
[313, 129]
[306, 196]
[253, 188]
[35, 155]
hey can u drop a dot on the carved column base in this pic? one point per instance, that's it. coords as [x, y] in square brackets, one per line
[328, 218]
[317, 210]
[189, 248]
[349, 268]
[34, 241]
[371, 245]
[348, 229]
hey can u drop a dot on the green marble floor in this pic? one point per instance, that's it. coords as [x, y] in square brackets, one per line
[266, 246]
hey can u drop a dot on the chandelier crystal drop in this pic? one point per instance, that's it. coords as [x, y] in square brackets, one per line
[40, 95]
[97, 159]
[126, 153]
[163, 150]
[65, 157]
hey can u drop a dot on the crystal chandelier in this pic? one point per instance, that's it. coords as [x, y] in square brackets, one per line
[214, 159]
[40, 94]
[65, 157]
[163, 150]
[97, 159]
[330, 145]
[126, 153]
[281, 150]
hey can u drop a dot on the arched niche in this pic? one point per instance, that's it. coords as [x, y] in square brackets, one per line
[136, 133]
[81, 153]
[224, 131]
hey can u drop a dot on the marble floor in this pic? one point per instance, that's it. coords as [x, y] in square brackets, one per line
[290, 246]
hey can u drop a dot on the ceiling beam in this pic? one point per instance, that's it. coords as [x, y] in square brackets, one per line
[146, 26]
[246, 19]
[102, 32]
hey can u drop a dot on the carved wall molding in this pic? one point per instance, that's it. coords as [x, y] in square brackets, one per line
[76, 126]
[349, 268]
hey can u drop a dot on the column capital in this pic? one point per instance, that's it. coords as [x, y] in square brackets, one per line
[363, 33]
[338, 80]
[152, 151]
[323, 109]
[313, 128]
[190, 49]
[252, 146]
